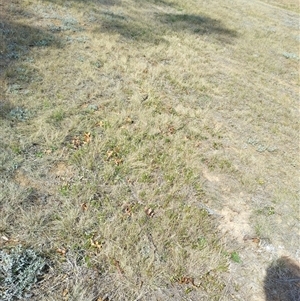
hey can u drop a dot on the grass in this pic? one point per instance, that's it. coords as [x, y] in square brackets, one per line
[128, 126]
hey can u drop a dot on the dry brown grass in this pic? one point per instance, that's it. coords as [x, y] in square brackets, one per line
[128, 126]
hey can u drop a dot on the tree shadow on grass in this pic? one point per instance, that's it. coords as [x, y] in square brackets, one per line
[16, 42]
[129, 28]
[198, 25]
[282, 282]
[165, 3]
[148, 25]
[155, 29]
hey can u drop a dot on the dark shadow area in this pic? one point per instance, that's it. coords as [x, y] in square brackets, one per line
[152, 31]
[150, 27]
[16, 43]
[201, 25]
[17, 40]
[5, 107]
[129, 29]
[282, 282]
[107, 2]
[156, 2]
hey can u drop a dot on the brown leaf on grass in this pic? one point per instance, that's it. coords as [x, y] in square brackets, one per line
[48, 151]
[114, 154]
[96, 244]
[61, 251]
[149, 212]
[100, 123]
[79, 141]
[187, 280]
[254, 239]
[128, 120]
[65, 292]
[76, 142]
[109, 153]
[103, 299]
[84, 207]
[118, 161]
[87, 138]
[127, 209]
[171, 130]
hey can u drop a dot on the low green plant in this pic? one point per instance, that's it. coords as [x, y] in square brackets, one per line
[234, 256]
[19, 270]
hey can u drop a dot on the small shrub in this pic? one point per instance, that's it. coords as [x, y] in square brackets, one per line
[19, 270]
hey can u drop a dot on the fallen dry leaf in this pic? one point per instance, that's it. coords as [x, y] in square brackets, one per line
[65, 292]
[84, 207]
[127, 209]
[149, 212]
[171, 130]
[48, 151]
[187, 280]
[87, 137]
[100, 123]
[129, 120]
[109, 154]
[103, 299]
[76, 142]
[254, 239]
[96, 244]
[118, 161]
[61, 251]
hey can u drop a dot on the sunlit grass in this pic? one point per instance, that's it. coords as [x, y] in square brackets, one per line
[127, 127]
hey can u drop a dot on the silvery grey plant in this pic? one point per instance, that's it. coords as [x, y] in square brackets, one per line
[19, 270]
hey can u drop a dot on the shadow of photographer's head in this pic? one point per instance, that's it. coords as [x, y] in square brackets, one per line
[282, 282]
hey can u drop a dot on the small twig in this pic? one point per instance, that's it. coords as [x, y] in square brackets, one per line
[150, 238]
[117, 265]
[208, 210]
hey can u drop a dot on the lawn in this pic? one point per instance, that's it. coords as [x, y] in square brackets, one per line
[150, 149]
